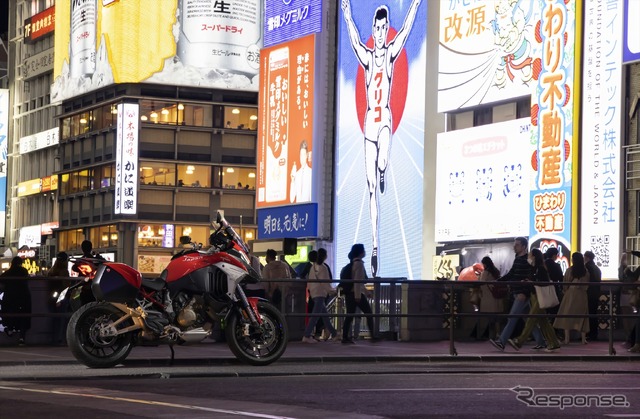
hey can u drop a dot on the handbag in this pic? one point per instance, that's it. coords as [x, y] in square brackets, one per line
[475, 296]
[547, 297]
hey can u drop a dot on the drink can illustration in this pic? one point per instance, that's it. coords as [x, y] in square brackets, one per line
[221, 34]
[277, 135]
[82, 45]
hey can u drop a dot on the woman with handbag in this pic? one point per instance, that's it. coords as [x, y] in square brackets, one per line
[575, 300]
[539, 326]
[488, 302]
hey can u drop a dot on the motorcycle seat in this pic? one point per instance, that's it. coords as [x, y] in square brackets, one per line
[155, 284]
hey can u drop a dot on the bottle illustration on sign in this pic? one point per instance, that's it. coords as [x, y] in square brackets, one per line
[277, 126]
[220, 35]
[82, 45]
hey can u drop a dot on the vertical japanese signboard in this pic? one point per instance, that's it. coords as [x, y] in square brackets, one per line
[486, 53]
[601, 134]
[285, 135]
[4, 138]
[553, 117]
[381, 84]
[126, 194]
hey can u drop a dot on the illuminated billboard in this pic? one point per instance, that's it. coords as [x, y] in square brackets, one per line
[4, 140]
[380, 135]
[286, 20]
[602, 112]
[126, 193]
[486, 51]
[553, 117]
[285, 132]
[178, 42]
[39, 25]
[39, 140]
[482, 182]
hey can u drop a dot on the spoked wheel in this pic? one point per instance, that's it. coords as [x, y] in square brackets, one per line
[258, 345]
[91, 338]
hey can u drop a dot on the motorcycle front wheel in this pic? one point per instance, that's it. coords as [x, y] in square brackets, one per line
[87, 338]
[260, 345]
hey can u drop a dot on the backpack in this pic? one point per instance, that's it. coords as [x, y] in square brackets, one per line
[345, 277]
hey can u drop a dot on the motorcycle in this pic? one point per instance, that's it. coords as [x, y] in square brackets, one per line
[197, 289]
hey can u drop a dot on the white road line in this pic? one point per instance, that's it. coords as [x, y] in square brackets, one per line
[30, 353]
[147, 402]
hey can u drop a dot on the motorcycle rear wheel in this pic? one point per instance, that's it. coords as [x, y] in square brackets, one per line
[85, 341]
[261, 345]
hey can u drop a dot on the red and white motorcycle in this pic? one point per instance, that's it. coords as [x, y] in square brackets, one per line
[197, 289]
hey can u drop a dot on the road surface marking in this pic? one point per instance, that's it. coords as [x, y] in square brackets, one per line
[149, 402]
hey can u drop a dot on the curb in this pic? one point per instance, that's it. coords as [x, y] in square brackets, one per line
[488, 359]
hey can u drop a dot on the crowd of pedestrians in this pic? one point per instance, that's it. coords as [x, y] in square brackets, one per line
[575, 311]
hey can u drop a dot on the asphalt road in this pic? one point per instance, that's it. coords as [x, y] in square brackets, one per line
[336, 390]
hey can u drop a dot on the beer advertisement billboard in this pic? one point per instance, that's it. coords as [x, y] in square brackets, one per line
[186, 42]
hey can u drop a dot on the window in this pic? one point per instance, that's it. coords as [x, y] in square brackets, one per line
[104, 236]
[190, 175]
[152, 173]
[156, 235]
[159, 112]
[70, 240]
[238, 177]
[195, 115]
[198, 234]
[237, 117]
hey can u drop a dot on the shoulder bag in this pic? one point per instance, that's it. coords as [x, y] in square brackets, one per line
[547, 297]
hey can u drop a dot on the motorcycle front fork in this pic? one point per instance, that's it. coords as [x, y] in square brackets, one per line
[250, 307]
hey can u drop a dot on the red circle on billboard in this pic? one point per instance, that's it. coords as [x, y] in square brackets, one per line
[399, 85]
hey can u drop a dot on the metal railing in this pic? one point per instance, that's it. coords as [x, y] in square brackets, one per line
[391, 305]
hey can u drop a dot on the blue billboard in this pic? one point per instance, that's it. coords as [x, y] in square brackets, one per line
[286, 20]
[292, 221]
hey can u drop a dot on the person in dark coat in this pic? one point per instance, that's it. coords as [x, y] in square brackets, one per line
[16, 300]
[556, 275]
[593, 293]
[59, 269]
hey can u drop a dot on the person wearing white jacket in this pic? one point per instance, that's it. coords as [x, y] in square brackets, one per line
[319, 292]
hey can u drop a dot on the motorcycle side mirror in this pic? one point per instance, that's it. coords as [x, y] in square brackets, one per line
[185, 239]
[218, 217]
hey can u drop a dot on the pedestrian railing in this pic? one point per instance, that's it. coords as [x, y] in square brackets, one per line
[399, 305]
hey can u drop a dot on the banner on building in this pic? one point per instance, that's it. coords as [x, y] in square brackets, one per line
[602, 116]
[126, 193]
[553, 118]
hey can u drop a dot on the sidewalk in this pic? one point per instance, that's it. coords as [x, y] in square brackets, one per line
[209, 352]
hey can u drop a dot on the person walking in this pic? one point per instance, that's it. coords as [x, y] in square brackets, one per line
[256, 289]
[488, 303]
[356, 296]
[519, 271]
[575, 300]
[593, 294]
[555, 275]
[16, 300]
[319, 292]
[539, 326]
[274, 272]
[59, 269]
